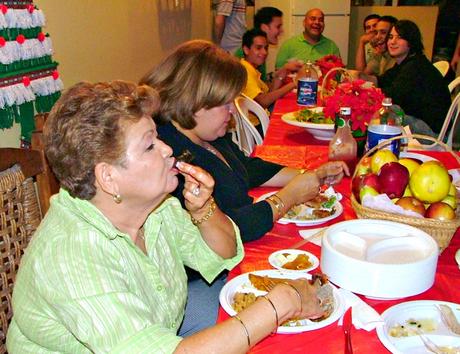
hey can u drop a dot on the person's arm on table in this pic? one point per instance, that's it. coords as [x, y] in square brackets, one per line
[266, 99]
[257, 321]
[300, 185]
[215, 227]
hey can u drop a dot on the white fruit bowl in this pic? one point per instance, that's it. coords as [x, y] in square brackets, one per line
[378, 258]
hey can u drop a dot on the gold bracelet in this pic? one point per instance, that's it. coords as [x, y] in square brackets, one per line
[212, 208]
[297, 292]
[274, 310]
[302, 171]
[278, 204]
[277, 197]
[236, 317]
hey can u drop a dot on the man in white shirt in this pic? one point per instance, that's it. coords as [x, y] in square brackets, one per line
[229, 23]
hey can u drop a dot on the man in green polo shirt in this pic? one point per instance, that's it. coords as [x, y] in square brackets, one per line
[311, 44]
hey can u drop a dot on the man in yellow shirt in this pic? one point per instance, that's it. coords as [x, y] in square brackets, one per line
[255, 48]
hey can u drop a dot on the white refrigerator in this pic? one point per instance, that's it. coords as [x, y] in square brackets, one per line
[336, 18]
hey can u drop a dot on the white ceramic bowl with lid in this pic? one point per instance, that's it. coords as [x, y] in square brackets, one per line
[379, 258]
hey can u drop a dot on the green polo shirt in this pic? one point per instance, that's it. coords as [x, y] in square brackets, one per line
[83, 286]
[297, 47]
[262, 68]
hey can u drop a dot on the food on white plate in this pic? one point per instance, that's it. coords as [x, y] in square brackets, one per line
[322, 206]
[311, 116]
[413, 327]
[264, 283]
[294, 261]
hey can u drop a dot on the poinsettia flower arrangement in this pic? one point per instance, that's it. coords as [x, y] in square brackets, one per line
[361, 96]
[329, 62]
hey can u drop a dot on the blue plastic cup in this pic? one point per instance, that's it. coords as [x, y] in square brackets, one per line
[378, 133]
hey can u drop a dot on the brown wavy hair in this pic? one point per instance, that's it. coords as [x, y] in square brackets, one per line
[87, 126]
[197, 74]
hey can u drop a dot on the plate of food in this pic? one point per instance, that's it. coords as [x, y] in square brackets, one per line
[405, 323]
[293, 260]
[243, 290]
[324, 207]
[313, 120]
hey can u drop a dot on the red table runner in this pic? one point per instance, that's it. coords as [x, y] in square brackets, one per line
[290, 146]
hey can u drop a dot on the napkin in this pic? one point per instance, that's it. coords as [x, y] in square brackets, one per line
[316, 239]
[364, 316]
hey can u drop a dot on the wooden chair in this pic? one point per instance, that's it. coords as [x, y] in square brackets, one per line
[47, 182]
[20, 216]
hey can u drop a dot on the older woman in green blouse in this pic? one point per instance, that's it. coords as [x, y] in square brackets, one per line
[105, 270]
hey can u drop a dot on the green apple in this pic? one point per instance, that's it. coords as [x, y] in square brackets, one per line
[451, 201]
[367, 190]
[407, 192]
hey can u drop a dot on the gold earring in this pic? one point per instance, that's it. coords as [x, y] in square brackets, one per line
[117, 198]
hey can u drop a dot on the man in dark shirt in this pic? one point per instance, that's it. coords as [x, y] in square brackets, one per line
[414, 83]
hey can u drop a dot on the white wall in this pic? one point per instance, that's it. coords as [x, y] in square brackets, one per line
[102, 40]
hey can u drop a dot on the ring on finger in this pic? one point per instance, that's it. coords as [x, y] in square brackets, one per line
[196, 191]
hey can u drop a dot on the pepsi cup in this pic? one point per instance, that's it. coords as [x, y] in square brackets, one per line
[378, 133]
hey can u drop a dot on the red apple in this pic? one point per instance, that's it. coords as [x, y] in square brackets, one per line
[393, 178]
[371, 180]
[440, 211]
[411, 203]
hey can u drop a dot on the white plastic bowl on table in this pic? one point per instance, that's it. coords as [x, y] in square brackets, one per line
[318, 130]
[378, 258]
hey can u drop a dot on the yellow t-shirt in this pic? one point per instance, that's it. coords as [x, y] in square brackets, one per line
[254, 86]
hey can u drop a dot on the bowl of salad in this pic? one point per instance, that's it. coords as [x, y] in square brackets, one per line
[313, 120]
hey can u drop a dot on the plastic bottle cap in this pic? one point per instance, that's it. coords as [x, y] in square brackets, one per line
[387, 101]
[345, 110]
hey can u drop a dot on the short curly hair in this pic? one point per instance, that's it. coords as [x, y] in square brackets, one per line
[87, 126]
[196, 75]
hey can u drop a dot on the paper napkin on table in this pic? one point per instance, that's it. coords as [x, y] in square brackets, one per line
[363, 315]
[316, 239]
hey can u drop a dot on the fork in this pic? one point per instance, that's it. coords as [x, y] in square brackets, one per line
[434, 348]
[449, 319]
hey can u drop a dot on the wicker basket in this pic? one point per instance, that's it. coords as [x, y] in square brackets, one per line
[441, 231]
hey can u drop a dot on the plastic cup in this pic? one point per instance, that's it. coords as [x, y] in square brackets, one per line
[378, 133]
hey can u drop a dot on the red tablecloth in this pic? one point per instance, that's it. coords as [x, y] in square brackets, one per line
[285, 144]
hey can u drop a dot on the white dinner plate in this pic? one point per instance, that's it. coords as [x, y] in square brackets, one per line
[417, 310]
[318, 130]
[289, 118]
[274, 260]
[242, 284]
[414, 155]
[310, 222]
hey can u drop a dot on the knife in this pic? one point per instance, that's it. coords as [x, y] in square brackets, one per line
[347, 321]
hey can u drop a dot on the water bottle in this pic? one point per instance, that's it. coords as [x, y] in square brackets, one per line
[307, 86]
[386, 123]
[343, 146]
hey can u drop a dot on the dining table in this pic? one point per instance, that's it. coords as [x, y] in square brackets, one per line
[293, 146]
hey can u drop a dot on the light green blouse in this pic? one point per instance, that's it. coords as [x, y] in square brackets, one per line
[83, 286]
